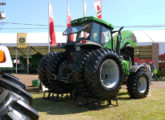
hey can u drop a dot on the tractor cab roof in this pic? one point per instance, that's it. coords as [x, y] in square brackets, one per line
[84, 20]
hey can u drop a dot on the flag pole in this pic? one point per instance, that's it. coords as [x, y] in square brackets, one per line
[67, 2]
[101, 10]
[48, 30]
[67, 14]
[83, 9]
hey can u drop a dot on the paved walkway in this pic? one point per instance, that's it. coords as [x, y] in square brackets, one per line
[158, 84]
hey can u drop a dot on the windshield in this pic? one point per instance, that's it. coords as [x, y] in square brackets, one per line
[74, 29]
[78, 33]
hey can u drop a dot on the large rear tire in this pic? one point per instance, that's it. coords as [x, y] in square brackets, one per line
[12, 79]
[79, 82]
[10, 85]
[15, 102]
[42, 68]
[15, 107]
[103, 74]
[55, 85]
[138, 84]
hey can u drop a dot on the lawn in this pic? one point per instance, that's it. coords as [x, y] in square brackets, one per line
[150, 108]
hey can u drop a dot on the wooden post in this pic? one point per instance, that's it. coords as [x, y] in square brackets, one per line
[161, 63]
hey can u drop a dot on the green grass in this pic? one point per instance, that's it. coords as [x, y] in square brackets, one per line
[150, 108]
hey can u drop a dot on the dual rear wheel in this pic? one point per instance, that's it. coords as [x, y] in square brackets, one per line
[97, 74]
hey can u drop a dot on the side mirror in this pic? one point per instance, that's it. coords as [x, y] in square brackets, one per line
[119, 33]
[121, 28]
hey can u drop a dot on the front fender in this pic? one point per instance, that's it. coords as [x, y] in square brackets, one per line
[135, 68]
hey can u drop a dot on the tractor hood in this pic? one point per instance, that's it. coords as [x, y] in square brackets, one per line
[128, 38]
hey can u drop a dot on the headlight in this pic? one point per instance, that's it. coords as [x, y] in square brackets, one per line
[77, 48]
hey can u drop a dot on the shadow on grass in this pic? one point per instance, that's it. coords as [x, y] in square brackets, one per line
[62, 107]
[124, 98]
[66, 106]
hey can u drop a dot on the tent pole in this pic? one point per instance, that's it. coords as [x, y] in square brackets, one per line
[28, 52]
[16, 59]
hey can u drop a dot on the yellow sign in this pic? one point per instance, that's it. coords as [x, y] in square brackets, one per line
[21, 40]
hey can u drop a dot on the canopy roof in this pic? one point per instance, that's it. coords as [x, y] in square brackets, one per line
[41, 39]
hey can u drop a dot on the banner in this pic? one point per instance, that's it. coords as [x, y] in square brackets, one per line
[21, 40]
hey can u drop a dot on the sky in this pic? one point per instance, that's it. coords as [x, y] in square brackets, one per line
[117, 12]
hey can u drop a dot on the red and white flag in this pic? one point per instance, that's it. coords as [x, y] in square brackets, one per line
[98, 8]
[69, 19]
[51, 26]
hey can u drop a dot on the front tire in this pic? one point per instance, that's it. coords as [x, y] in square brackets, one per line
[138, 84]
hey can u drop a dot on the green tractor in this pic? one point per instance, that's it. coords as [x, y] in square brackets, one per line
[95, 64]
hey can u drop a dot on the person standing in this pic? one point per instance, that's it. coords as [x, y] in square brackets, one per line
[155, 72]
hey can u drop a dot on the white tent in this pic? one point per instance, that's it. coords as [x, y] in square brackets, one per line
[42, 39]
[151, 36]
[33, 39]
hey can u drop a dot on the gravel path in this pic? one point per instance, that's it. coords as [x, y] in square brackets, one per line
[27, 80]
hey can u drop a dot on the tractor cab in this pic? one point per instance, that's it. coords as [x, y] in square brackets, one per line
[90, 30]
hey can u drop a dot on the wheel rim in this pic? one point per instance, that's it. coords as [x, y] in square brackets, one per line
[142, 85]
[109, 74]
